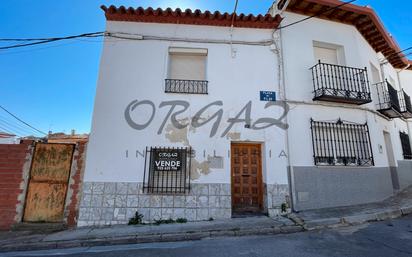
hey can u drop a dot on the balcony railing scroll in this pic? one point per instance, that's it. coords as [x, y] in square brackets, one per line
[184, 86]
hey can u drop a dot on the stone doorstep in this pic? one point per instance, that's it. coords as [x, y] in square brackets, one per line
[151, 238]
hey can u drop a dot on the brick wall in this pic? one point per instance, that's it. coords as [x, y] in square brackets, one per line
[13, 159]
[75, 184]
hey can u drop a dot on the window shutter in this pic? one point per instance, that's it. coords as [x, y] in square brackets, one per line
[326, 55]
[190, 67]
[187, 63]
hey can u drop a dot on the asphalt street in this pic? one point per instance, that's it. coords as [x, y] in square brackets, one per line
[380, 239]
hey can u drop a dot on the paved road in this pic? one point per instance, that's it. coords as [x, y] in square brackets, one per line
[385, 239]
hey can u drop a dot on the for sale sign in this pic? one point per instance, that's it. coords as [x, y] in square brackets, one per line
[167, 159]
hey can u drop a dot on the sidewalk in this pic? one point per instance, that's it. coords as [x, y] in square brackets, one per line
[391, 208]
[124, 234]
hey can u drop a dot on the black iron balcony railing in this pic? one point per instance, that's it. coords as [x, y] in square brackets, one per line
[342, 84]
[405, 104]
[183, 86]
[388, 101]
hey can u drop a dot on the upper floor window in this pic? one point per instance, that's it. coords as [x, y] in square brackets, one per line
[187, 71]
[328, 53]
[376, 77]
[406, 146]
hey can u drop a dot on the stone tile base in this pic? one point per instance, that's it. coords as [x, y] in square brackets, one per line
[274, 196]
[115, 203]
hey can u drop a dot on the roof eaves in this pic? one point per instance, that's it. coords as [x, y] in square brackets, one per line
[189, 17]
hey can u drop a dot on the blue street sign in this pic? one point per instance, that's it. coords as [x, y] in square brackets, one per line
[267, 96]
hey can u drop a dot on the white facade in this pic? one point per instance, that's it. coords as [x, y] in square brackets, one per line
[135, 70]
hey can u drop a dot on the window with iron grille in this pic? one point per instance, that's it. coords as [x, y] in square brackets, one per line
[187, 71]
[406, 146]
[341, 144]
[167, 170]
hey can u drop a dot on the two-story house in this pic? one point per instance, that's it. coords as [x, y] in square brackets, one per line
[348, 130]
[203, 115]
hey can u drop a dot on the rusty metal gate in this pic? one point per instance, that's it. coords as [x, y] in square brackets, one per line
[49, 177]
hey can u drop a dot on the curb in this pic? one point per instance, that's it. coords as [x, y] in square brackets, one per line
[151, 238]
[406, 210]
[357, 219]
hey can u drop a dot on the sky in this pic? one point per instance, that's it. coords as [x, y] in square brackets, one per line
[52, 86]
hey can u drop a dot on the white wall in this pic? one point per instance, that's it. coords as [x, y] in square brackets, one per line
[132, 70]
[8, 140]
[406, 81]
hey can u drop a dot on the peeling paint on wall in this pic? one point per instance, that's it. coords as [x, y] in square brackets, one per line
[175, 135]
[233, 135]
[198, 169]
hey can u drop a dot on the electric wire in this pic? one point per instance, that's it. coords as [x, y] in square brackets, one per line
[403, 56]
[17, 118]
[234, 13]
[9, 132]
[130, 36]
[13, 130]
[315, 15]
[49, 40]
[17, 126]
[35, 49]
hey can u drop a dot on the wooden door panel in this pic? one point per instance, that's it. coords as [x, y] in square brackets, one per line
[246, 177]
[48, 183]
[45, 202]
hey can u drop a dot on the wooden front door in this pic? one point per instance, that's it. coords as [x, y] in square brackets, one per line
[246, 172]
[49, 176]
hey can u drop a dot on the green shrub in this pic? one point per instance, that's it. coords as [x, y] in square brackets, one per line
[181, 220]
[170, 221]
[137, 219]
[284, 207]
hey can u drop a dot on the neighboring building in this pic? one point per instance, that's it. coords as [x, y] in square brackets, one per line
[6, 138]
[348, 130]
[208, 115]
[64, 138]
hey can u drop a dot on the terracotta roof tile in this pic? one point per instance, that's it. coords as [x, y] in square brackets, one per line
[196, 17]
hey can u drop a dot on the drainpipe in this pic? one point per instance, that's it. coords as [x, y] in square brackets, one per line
[277, 48]
[291, 169]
